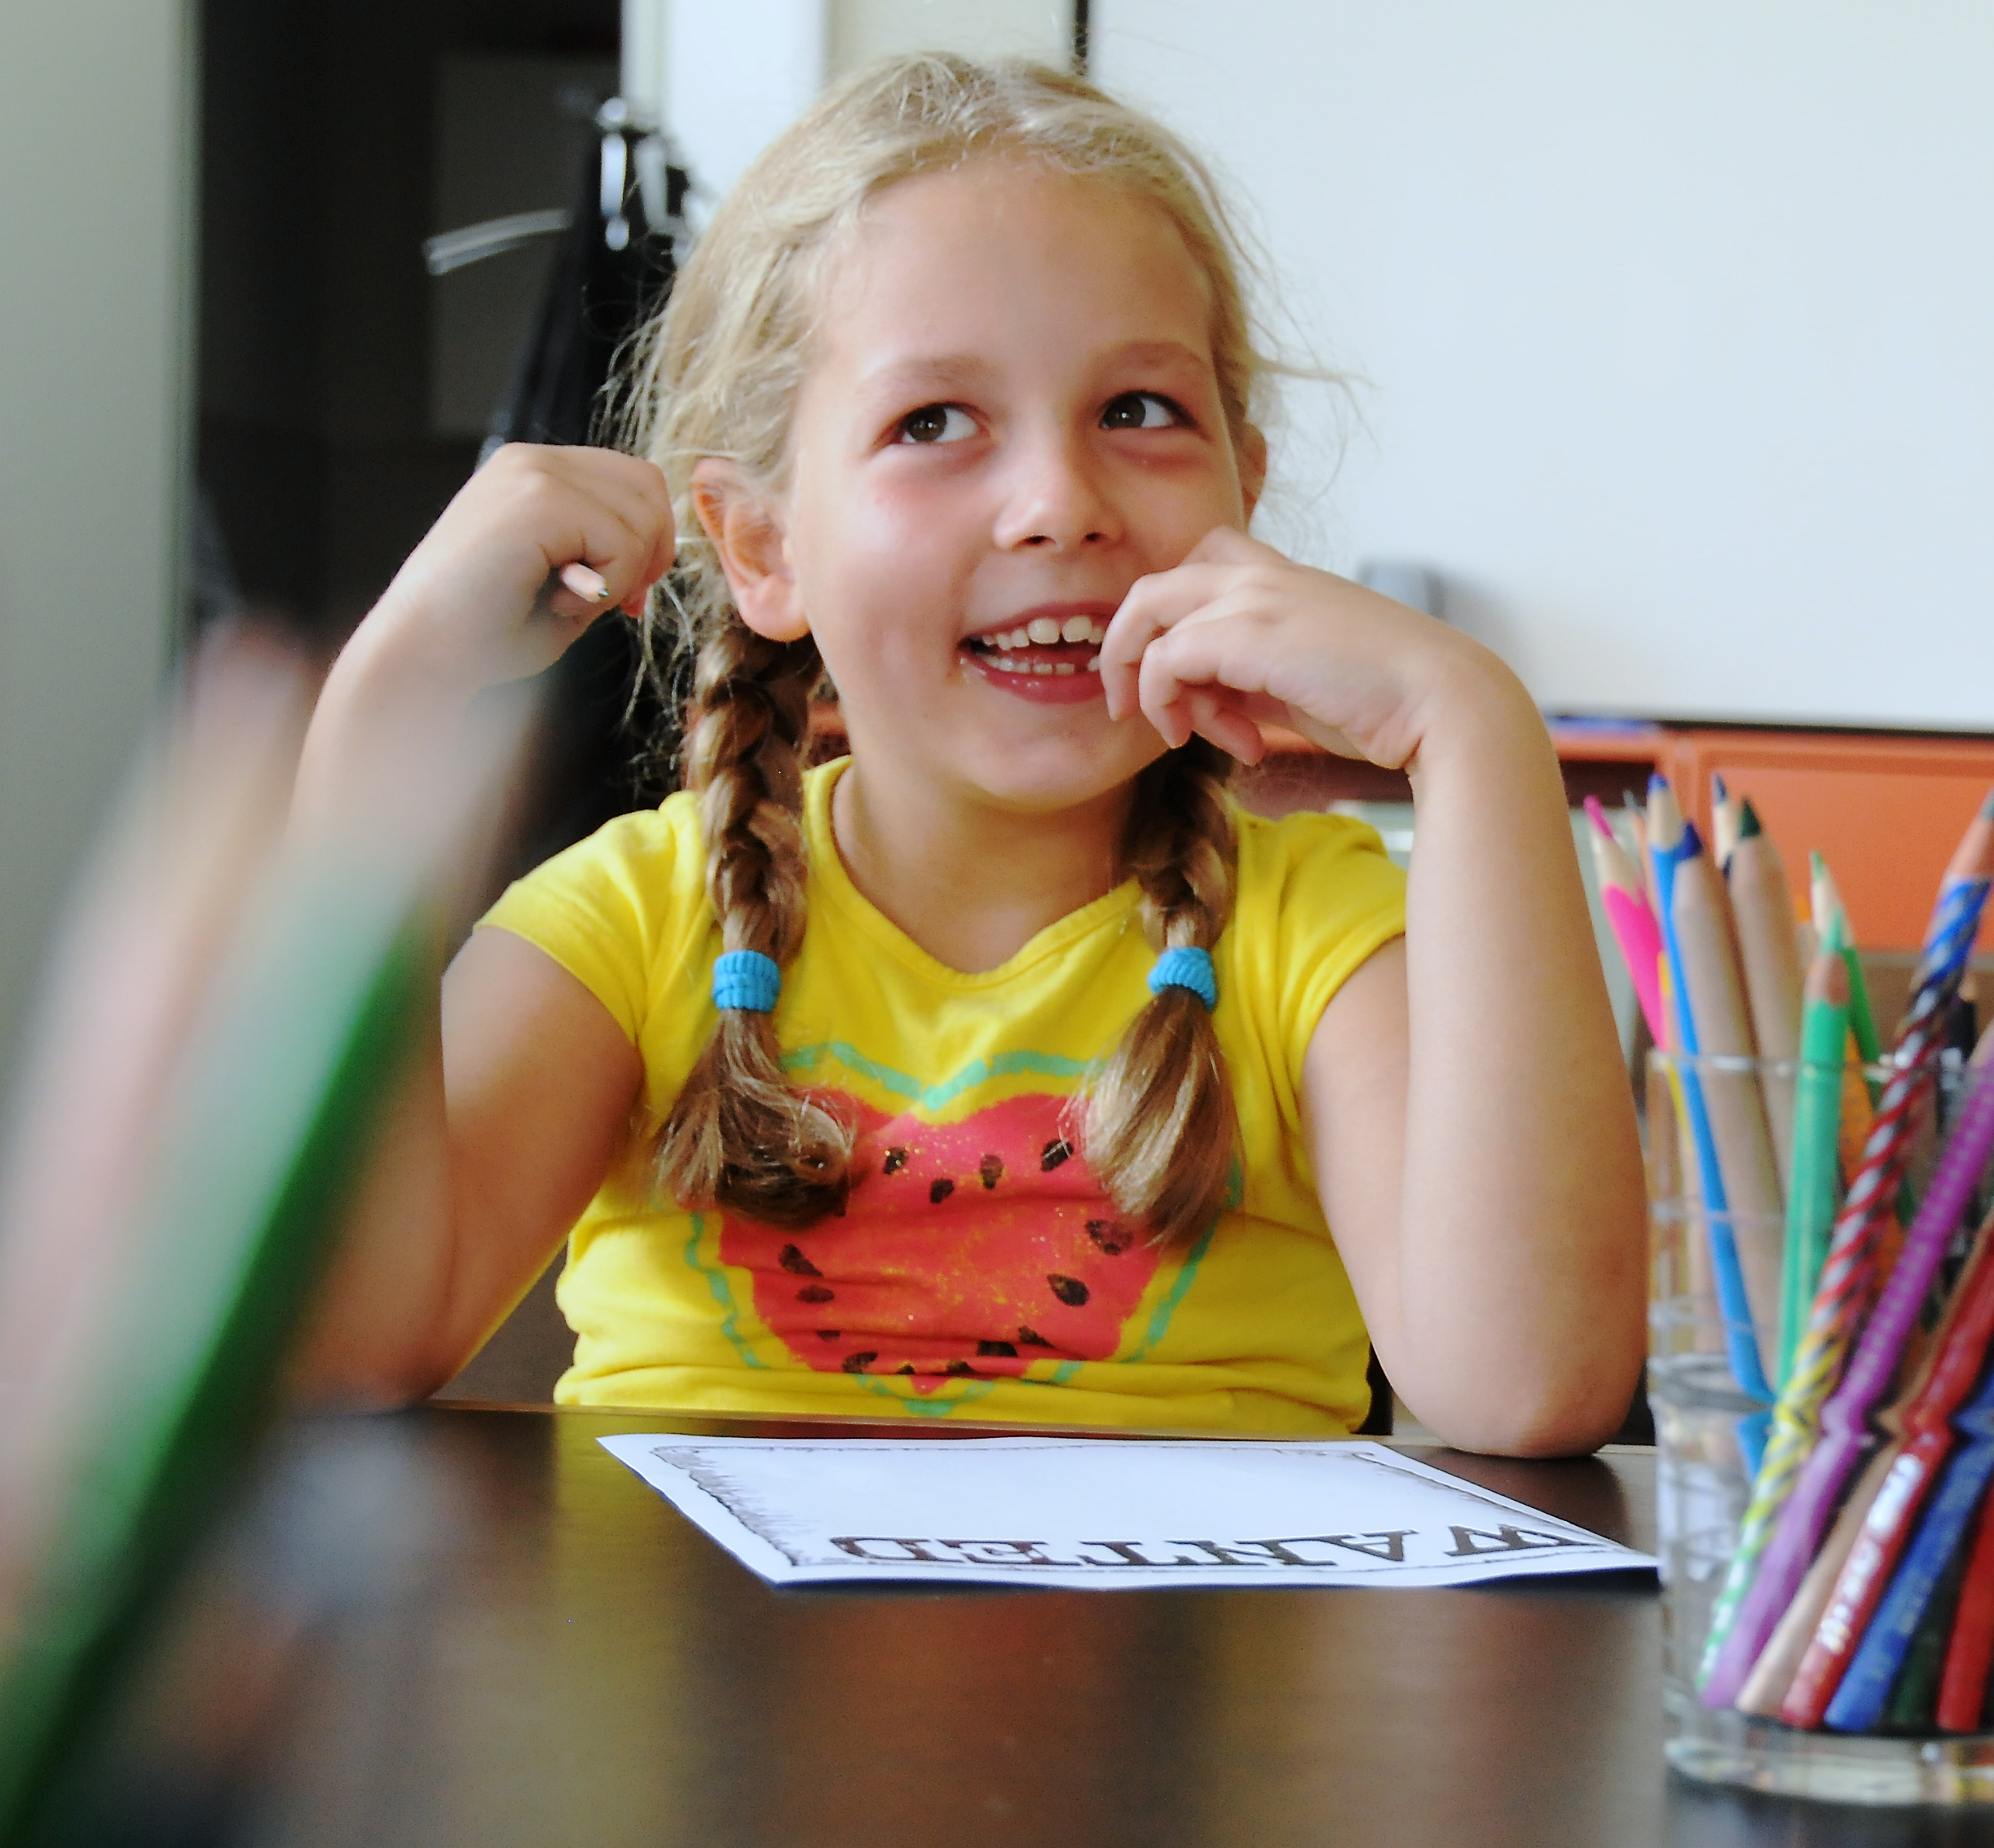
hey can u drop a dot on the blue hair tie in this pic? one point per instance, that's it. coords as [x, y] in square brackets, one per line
[1186, 967]
[747, 980]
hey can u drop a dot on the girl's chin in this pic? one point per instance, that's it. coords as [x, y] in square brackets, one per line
[1039, 689]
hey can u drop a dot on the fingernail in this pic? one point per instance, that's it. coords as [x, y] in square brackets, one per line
[592, 587]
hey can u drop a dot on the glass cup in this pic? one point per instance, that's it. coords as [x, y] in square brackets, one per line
[1706, 1429]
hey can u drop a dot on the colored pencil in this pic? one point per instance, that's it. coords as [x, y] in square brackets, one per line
[1624, 896]
[1929, 1438]
[1879, 1657]
[1713, 984]
[1817, 1121]
[1727, 820]
[1636, 818]
[1800, 1478]
[1913, 1702]
[1769, 946]
[1765, 1690]
[1780, 1533]
[1665, 831]
[1827, 903]
[1962, 1687]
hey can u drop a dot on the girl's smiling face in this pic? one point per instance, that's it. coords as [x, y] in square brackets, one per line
[1011, 414]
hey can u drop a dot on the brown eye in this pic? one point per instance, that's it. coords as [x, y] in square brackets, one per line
[1140, 410]
[937, 423]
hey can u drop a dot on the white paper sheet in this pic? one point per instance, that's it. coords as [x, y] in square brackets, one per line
[1103, 1513]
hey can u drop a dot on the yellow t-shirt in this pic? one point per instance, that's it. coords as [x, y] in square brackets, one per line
[978, 1268]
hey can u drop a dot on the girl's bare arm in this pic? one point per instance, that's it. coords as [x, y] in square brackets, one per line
[507, 1121]
[522, 1083]
[1470, 1123]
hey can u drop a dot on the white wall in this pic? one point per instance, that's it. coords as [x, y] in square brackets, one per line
[1678, 323]
[95, 206]
[730, 77]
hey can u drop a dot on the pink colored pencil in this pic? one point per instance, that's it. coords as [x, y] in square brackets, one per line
[1630, 917]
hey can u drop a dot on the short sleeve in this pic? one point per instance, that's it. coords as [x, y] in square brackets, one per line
[1317, 895]
[602, 908]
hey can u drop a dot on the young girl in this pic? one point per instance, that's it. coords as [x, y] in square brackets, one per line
[1004, 1068]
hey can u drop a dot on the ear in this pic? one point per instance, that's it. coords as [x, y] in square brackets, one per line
[1251, 451]
[754, 551]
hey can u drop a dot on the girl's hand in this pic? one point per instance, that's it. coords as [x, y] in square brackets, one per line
[481, 599]
[1238, 636]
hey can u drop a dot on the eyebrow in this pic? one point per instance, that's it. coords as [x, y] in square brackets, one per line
[943, 373]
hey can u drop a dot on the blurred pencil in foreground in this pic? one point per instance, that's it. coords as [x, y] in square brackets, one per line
[229, 1008]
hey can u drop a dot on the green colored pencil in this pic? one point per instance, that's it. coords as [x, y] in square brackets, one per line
[1810, 1199]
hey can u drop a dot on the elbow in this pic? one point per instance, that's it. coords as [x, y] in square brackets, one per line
[1570, 1413]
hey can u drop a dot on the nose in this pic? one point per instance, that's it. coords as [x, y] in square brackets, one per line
[1054, 500]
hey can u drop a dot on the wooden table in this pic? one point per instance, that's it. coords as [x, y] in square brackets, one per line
[474, 1626]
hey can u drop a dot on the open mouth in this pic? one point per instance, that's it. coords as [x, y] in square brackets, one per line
[1046, 647]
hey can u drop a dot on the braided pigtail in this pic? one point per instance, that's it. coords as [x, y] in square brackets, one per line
[1160, 1129]
[739, 1135]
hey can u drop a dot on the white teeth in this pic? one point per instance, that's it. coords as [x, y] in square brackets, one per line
[1042, 667]
[1043, 630]
[1004, 664]
[1093, 664]
[1077, 628]
[1062, 667]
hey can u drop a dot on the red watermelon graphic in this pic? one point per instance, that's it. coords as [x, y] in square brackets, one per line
[968, 1249]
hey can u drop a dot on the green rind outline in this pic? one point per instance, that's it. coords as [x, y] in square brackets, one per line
[935, 1097]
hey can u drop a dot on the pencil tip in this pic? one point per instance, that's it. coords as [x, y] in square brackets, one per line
[1817, 866]
[1720, 792]
[1595, 813]
[1987, 808]
[1657, 785]
[1748, 820]
[1690, 846]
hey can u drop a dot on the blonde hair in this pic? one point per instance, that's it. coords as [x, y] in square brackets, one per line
[718, 376]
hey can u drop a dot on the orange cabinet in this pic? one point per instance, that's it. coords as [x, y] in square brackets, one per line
[1887, 811]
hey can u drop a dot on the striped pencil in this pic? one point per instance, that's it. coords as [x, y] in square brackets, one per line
[1794, 1491]
[1624, 895]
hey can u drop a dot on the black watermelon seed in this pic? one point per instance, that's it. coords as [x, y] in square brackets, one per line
[997, 1348]
[1053, 1153]
[940, 1190]
[957, 1369]
[858, 1363]
[908, 1368]
[990, 1170]
[815, 1293]
[1069, 1290]
[797, 1265]
[1108, 1235]
[1031, 1338]
[896, 1160]
[830, 1334]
